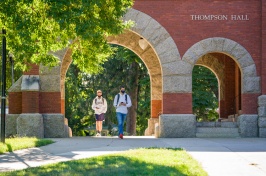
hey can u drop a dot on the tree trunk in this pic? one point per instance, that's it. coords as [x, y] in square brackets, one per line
[132, 111]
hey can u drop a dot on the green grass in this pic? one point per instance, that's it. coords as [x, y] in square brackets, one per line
[138, 162]
[12, 144]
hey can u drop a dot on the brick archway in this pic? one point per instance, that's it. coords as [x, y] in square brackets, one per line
[250, 87]
[160, 56]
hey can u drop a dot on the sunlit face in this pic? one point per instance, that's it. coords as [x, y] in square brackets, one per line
[99, 93]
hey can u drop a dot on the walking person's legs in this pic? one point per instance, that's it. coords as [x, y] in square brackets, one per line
[100, 126]
[120, 119]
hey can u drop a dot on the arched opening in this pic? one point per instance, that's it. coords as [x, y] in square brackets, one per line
[122, 68]
[205, 94]
[228, 74]
[141, 47]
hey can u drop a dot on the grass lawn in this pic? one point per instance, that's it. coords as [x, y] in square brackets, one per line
[12, 144]
[143, 161]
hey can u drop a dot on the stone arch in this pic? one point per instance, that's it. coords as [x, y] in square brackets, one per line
[250, 80]
[160, 43]
[160, 56]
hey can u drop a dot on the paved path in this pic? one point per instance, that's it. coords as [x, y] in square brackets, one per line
[219, 157]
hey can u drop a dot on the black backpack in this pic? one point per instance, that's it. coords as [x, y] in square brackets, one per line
[118, 96]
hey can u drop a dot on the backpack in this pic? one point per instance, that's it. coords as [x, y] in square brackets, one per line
[96, 100]
[118, 96]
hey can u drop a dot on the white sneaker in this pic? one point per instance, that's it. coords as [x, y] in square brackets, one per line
[98, 134]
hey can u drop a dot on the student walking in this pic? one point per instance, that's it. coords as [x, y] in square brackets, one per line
[99, 105]
[122, 101]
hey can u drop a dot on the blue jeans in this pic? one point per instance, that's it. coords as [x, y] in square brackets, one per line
[120, 119]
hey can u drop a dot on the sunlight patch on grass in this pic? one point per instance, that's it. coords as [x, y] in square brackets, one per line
[12, 144]
[143, 161]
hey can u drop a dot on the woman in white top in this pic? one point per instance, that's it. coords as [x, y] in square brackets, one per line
[99, 105]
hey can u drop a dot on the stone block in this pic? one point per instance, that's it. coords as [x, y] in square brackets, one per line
[68, 131]
[262, 122]
[16, 87]
[50, 83]
[46, 70]
[177, 125]
[54, 125]
[262, 111]
[177, 67]
[30, 125]
[156, 131]
[153, 29]
[165, 46]
[11, 124]
[177, 84]
[229, 45]
[205, 124]
[262, 132]
[248, 125]
[158, 36]
[229, 124]
[141, 20]
[262, 100]
[190, 57]
[245, 60]
[151, 126]
[30, 83]
[170, 56]
[251, 85]
[250, 70]
[239, 51]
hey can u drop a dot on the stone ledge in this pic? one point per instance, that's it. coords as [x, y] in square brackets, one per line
[262, 122]
[11, 124]
[177, 125]
[54, 125]
[30, 125]
[248, 125]
[30, 83]
[262, 100]
[262, 132]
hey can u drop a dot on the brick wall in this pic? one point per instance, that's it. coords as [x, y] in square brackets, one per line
[15, 102]
[263, 48]
[30, 102]
[177, 103]
[50, 102]
[175, 17]
[250, 103]
[230, 82]
[34, 70]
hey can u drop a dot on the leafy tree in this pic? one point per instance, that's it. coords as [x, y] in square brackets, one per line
[205, 94]
[37, 28]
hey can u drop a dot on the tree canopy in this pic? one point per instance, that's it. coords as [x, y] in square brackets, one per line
[37, 28]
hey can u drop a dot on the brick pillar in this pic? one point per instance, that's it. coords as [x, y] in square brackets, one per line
[263, 48]
[30, 102]
[15, 102]
[30, 94]
[177, 103]
[50, 102]
[250, 103]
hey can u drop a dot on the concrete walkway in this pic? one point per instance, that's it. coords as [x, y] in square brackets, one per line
[219, 157]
